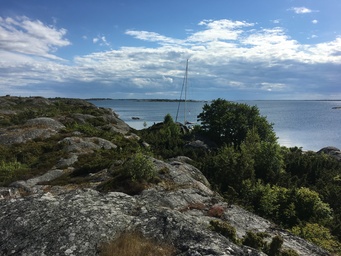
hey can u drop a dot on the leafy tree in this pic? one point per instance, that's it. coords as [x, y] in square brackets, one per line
[165, 138]
[228, 168]
[228, 123]
[310, 207]
[318, 235]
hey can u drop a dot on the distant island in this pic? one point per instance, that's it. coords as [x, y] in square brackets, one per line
[149, 100]
[99, 99]
[169, 100]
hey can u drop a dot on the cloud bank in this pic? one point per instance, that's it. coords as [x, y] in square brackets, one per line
[229, 59]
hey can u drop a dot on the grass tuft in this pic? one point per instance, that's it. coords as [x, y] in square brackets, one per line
[134, 244]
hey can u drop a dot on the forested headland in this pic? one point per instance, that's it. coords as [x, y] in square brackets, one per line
[239, 154]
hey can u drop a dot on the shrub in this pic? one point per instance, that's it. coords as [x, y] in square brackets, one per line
[139, 167]
[289, 252]
[275, 246]
[318, 235]
[255, 240]
[224, 229]
[10, 170]
[128, 244]
[216, 211]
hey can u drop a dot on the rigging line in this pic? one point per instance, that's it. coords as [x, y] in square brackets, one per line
[185, 107]
[182, 89]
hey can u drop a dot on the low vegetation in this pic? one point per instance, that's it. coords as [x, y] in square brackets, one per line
[293, 188]
[244, 162]
[133, 243]
[225, 229]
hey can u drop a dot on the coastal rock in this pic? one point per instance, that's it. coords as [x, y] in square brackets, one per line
[75, 219]
[44, 122]
[29, 184]
[332, 151]
[23, 135]
[198, 144]
[61, 221]
[85, 145]
[72, 223]
[35, 128]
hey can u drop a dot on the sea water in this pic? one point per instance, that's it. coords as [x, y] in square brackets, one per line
[310, 125]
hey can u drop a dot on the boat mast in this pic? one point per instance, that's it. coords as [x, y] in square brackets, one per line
[185, 108]
[184, 86]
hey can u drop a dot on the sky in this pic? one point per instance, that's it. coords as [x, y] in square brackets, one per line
[121, 49]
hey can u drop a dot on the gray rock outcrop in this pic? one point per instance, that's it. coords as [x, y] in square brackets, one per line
[41, 127]
[76, 218]
[332, 151]
[61, 221]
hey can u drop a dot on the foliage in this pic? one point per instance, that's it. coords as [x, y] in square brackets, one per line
[310, 207]
[225, 229]
[133, 176]
[139, 168]
[318, 235]
[29, 159]
[289, 252]
[318, 172]
[228, 123]
[285, 206]
[228, 168]
[94, 162]
[255, 240]
[288, 186]
[133, 243]
[294, 188]
[275, 246]
[10, 170]
[165, 138]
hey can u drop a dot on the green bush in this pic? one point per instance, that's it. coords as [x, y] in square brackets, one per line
[275, 246]
[318, 235]
[224, 229]
[255, 240]
[289, 252]
[139, 168]
[10, 170]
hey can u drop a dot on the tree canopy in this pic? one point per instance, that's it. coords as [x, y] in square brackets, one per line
[228, 122]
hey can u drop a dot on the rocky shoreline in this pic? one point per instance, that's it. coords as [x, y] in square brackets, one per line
[42, 218]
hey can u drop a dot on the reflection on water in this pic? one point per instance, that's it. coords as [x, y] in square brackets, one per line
[311, 125]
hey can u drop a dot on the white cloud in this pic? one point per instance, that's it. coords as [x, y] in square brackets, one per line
[272, 86]
[31, 37]
[225, 56]
[219, 30]
[301, 10]
[153, 37]
[314, 21]
[101, 40]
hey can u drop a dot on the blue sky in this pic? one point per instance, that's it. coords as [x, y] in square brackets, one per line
[237, 50]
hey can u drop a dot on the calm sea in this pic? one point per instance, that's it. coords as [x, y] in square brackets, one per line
[311, 125]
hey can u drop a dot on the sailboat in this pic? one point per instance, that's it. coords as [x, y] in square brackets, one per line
[184, 91]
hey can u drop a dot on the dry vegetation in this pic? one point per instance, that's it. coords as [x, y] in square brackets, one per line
[134, 244]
